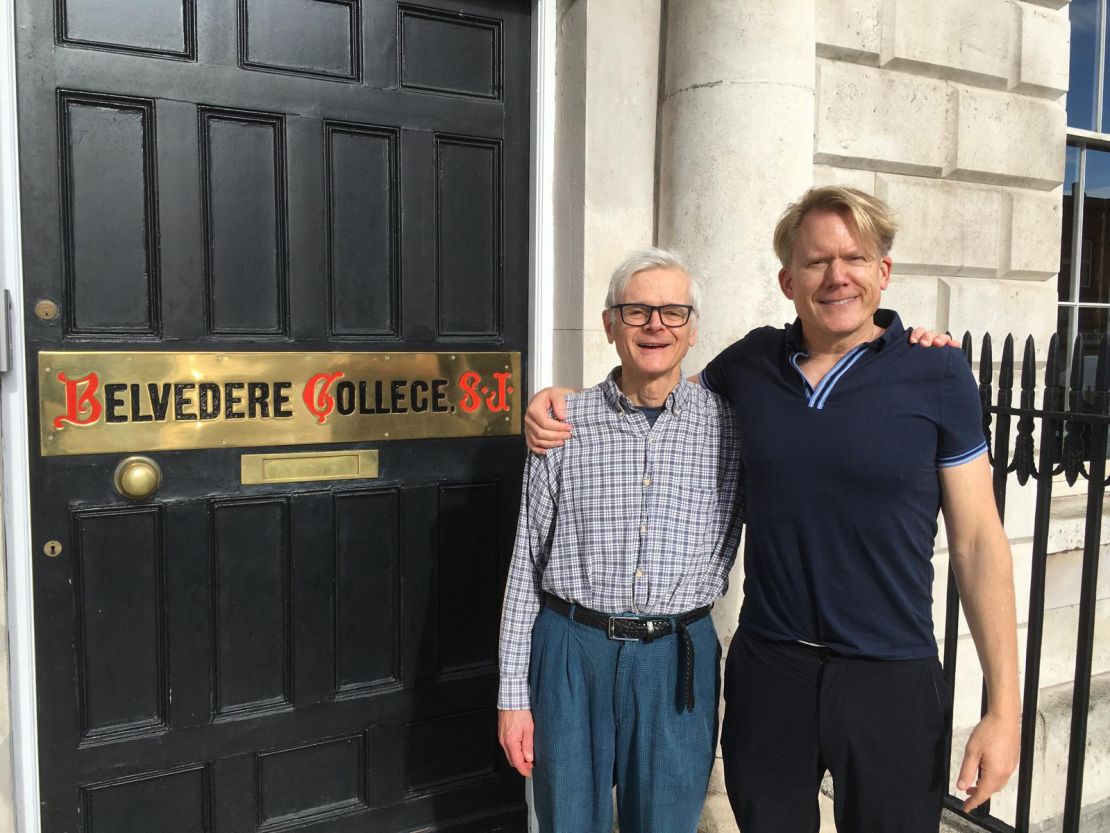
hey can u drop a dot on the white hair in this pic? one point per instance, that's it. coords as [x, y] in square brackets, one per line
[651, 258]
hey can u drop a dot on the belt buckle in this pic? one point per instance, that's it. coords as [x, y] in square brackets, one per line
[612, 622]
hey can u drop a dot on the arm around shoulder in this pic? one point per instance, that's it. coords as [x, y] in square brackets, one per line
[545, 423]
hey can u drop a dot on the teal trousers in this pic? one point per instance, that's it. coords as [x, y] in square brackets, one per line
[610, 713]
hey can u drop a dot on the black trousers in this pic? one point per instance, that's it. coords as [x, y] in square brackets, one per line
[793, 711]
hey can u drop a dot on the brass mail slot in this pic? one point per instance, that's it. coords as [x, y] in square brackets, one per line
[300, 468]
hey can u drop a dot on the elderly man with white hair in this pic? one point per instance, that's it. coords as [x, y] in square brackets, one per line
[609, 659]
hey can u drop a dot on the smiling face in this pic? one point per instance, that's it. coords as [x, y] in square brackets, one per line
[652, 352]
[835, 280]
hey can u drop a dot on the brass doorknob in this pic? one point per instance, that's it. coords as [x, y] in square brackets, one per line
[137, 477]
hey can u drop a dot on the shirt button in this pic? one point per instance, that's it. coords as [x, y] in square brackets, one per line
[677, 411]
[643, 527]
[639, 574]
[651, 440]
[647, 481]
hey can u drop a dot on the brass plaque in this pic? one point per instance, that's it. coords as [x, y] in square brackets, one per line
[301, 468]
[93, 402]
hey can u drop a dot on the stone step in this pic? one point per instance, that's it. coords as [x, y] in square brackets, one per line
[1069, 521]
[1095, 819]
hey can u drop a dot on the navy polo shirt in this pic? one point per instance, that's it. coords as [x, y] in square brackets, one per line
[842, 486]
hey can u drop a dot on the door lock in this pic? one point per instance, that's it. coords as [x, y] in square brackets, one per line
[46, 310]
[52, 548]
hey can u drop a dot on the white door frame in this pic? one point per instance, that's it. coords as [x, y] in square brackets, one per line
[542, 232]
[15, 488]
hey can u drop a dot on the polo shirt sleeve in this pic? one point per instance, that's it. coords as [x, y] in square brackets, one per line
[720, 371]
[960, 432]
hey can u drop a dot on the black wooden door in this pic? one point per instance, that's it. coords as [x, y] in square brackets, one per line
[274, 175]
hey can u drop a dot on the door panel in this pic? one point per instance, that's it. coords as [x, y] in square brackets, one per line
[251, 582]
[180, 799]
[121, 692]
[447, 53]
[367, 573]
[303, 37]
[111, 266]
[362, 273]
[154, 27]
[289, 175]
[467, 212]
[245, 231]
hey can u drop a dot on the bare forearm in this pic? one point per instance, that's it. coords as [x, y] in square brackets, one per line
[984, 571]
[984, 574]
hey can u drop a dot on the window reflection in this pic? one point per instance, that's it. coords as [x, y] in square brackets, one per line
[1063, 342]
[1084, 63]
[1084, 293]
[1084, 286]
[1094, 280]
[1092, 327]
[1071, 176]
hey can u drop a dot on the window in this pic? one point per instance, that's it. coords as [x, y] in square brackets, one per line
[1084, 286]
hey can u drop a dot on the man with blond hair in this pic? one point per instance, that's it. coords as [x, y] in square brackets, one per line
[852, 440]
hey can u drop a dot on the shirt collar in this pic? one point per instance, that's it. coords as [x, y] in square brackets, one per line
[886, 318]
[615, 398]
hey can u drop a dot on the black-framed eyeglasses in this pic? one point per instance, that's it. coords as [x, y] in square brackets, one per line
[637, 315]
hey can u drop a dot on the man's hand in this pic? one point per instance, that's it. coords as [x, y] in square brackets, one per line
[927, 338]
[541, 430]
[515, 730]
[990, 758]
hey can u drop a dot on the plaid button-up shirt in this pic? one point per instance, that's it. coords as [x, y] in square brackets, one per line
[624, 518]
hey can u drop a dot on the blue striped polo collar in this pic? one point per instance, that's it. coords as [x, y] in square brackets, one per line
[817, 397]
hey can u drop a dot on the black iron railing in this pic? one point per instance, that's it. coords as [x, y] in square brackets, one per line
[1071, 423]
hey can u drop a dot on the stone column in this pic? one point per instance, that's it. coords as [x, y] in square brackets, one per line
[607, 88]
[736, 145]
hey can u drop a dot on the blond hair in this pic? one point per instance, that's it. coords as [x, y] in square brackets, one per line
[872, 218]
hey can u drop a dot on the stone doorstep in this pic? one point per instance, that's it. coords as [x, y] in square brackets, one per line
[1054, 719]
[717, 818]
[1069, 519]
[1094, 819]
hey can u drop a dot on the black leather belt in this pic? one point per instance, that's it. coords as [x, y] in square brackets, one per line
[642, 629]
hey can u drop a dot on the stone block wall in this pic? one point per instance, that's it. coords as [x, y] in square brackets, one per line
[952, 111]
